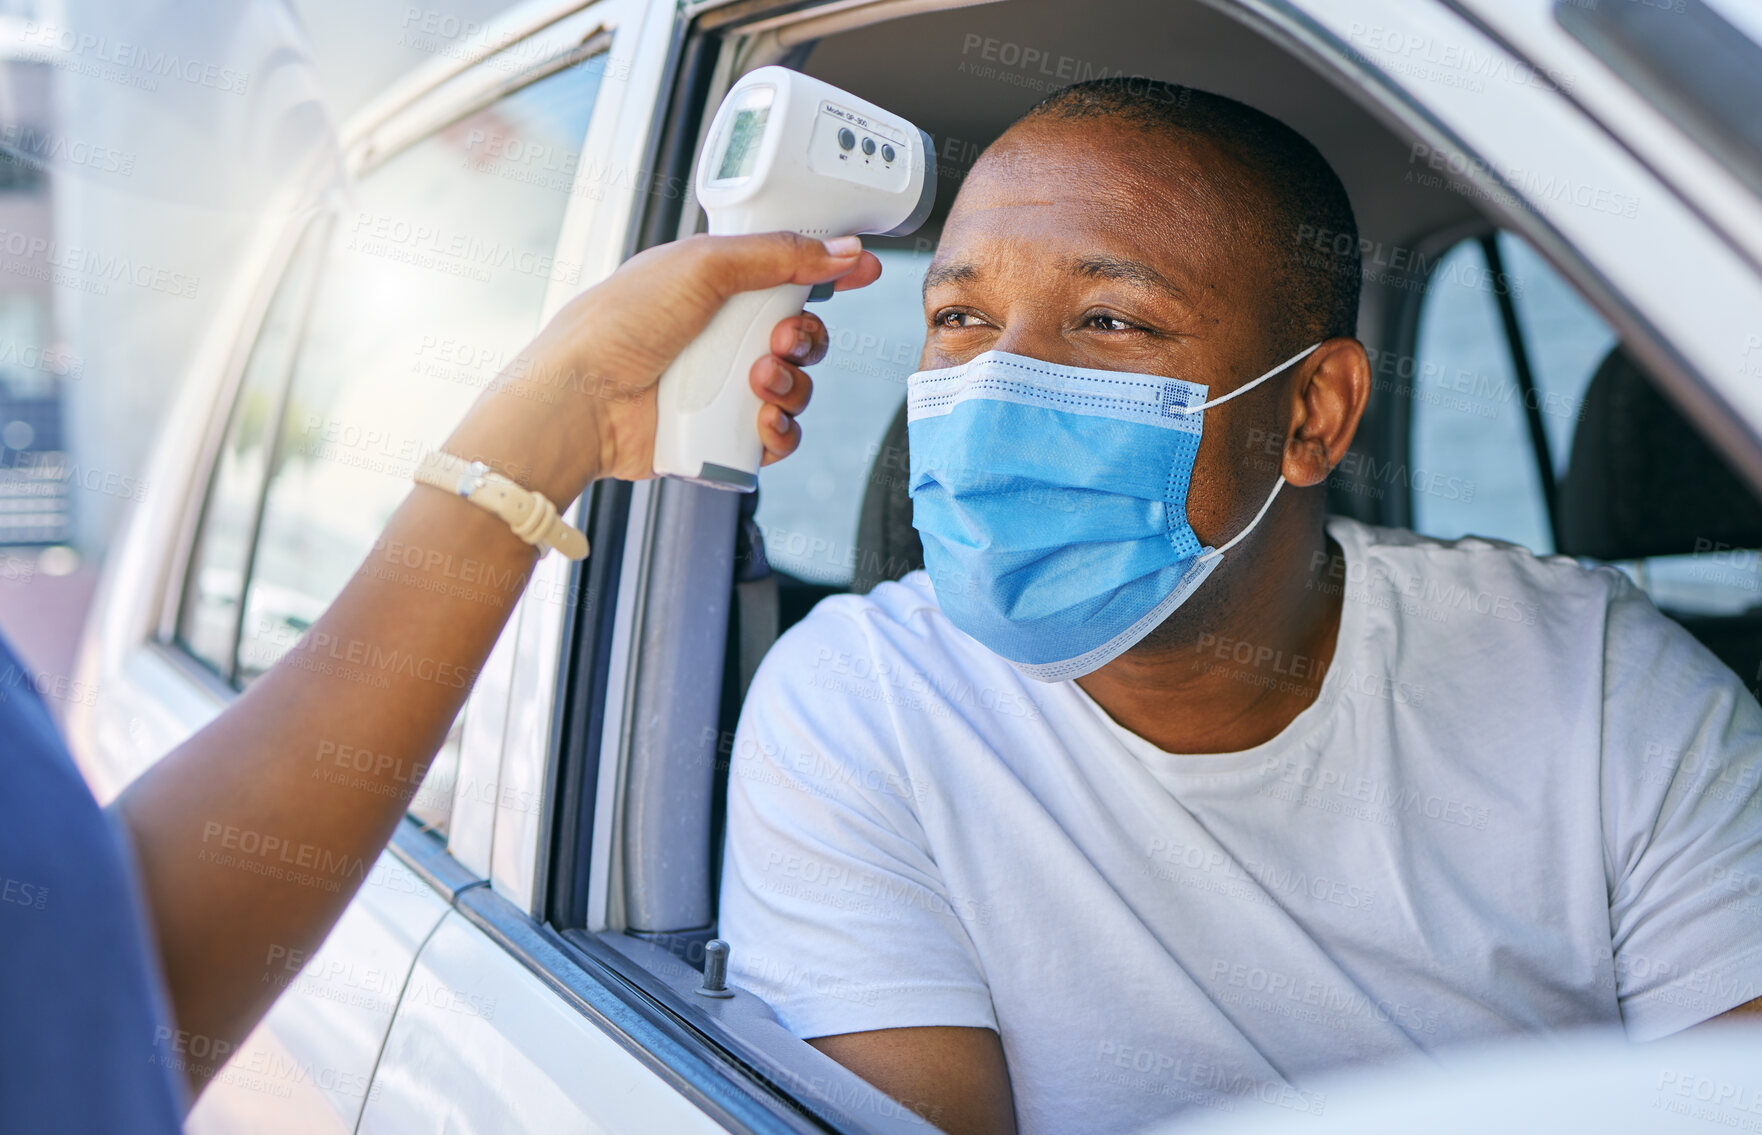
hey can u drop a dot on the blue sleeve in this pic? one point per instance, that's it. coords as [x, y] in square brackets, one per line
[88, 1044]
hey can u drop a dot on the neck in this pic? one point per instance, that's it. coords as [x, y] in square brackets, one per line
[1232, 672]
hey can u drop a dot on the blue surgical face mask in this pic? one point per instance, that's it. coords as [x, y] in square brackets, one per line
[1052, 502]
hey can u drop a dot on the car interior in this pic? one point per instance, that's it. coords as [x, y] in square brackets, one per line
[1503, 406]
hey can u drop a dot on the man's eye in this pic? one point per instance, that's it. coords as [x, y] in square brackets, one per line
[957, 319]
[1110, 323]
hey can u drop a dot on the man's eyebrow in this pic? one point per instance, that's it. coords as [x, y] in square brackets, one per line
[949, 274]
[1119, 268]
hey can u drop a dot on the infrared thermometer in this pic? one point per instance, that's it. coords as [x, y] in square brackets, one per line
[784, 152]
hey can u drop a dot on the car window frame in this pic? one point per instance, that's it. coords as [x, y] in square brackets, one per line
[422, 104]
[1548, 482]
[1672, 345]
[386, 148]
[1388, 422]
[1663, 55]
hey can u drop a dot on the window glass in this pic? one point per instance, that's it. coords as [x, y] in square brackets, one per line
[809, 505]
[1472, 471]
[435, 277]
[1473, 461]
[1565, 338]
[208, 623]
[1718, 581]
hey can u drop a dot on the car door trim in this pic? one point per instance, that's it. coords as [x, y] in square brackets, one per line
[588, 975]
[581, 708]
[791, 1069]
[698, 1070]
[424, 852]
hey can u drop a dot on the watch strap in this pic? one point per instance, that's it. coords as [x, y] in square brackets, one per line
[530, 514]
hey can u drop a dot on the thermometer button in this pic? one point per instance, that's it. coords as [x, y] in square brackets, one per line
[886, 153]
[869, 146]
[846, 140]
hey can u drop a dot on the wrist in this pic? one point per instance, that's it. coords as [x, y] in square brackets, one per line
[537, 442]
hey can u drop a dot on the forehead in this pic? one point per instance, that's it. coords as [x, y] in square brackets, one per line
[1088, 186]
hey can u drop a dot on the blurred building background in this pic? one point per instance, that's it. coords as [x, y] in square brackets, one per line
[142, 143]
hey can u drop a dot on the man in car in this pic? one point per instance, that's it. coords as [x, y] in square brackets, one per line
[1089, 823]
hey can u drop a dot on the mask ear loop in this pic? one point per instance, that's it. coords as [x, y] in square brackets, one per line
[1278, 484]
[1237, 538]
[1247, 386]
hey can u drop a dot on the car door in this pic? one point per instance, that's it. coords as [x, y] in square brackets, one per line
[388, 305]
[446, 263]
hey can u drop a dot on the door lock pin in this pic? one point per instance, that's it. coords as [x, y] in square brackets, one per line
[715, 970]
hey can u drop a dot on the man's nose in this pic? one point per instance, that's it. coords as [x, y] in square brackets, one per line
[1037, 339]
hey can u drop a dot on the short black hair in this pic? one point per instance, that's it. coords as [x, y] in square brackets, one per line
[1316, 281]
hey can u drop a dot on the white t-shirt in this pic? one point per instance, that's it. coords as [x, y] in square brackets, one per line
[1522, 801]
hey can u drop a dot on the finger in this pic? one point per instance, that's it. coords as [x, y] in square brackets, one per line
[867, 271]
[782, 384]
[730, 264]
[801, 339]
[779, 432]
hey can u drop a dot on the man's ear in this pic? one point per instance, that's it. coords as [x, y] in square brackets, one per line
[1327, 400]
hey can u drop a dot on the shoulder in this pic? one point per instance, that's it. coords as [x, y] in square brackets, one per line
[1440, 580]
[888, 664]
[840, 699]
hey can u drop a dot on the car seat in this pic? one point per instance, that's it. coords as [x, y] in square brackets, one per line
[1641, 482]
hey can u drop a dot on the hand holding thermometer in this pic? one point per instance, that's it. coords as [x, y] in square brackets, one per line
[783, 152]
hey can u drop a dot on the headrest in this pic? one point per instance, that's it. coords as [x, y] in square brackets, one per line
[1641, 482]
